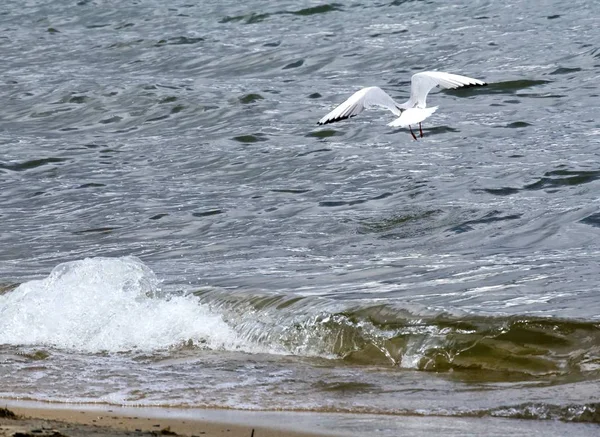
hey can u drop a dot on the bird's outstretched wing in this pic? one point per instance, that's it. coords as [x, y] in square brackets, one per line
[358, 102]
[422, 83]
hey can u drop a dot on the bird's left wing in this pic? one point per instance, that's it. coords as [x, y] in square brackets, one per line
[422, 83]
[358, 102]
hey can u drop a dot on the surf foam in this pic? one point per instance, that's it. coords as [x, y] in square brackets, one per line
[107, 304]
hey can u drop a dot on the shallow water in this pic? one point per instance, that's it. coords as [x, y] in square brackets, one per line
[215, 236]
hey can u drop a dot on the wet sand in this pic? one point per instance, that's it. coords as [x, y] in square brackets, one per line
[31, 422]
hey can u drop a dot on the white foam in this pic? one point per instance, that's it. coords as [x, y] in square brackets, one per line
[107, 304]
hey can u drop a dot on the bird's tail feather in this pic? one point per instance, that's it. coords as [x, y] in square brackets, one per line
[412, 116]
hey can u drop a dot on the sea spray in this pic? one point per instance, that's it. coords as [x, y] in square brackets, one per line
[106, 304]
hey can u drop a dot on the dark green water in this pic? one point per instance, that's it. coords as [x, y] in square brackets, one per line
[287, 265]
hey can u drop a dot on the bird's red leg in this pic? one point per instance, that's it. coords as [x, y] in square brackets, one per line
[412, 133]
[421, 130]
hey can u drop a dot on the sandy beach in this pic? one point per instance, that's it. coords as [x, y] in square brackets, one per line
[23, 422]
[32, 419]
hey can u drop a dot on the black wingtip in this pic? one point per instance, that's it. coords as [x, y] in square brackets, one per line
[333, 120]
[474, 85]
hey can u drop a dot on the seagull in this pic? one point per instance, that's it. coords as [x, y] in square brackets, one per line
[413, 111]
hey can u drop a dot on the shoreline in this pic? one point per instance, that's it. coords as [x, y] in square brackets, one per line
[40, 419]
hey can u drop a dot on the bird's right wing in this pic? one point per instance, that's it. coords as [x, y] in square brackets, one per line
[422, 83]
[358, 102]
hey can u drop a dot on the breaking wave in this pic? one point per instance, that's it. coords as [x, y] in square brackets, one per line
[116, 304]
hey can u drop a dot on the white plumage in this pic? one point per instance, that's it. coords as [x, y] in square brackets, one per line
[412, 116]
[413, 111]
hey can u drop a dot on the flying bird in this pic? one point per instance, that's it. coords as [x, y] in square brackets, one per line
[413, 111]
